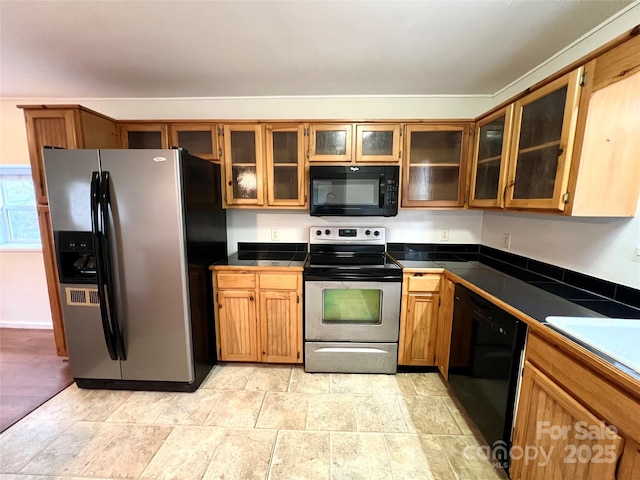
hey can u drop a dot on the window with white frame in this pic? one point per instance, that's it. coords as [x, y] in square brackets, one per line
[18, 214]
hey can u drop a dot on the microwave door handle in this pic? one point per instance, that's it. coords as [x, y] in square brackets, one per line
[382, 192]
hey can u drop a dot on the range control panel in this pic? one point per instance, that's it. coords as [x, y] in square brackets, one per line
[361, 235]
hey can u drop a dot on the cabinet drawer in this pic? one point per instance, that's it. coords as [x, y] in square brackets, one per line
[424, 283]
[278, 282]
[236, 280]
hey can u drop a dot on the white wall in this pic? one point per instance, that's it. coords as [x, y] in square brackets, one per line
[601, 247]
[409, 226]
[24, 301]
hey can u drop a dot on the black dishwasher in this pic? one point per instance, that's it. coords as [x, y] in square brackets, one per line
[484, 367]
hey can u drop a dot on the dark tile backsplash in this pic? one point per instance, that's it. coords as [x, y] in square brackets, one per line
[628, 295]
[272, 247]
[545, 269]
[593, 293]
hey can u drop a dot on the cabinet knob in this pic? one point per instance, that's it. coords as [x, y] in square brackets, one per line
[230, 182]
[251, 299]
[219, 305]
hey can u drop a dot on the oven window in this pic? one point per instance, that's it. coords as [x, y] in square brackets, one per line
[357, 191]
[352, 305]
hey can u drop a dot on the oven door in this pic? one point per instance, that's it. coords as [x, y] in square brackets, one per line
[352, 311]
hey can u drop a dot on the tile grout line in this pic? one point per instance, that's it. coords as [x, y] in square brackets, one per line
[105, 445]
[273, 453]
[386, 448]
[455, 473]
[206, 468]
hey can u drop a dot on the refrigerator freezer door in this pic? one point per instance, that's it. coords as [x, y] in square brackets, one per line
[68, 176]
[148, 263]
[88, 354]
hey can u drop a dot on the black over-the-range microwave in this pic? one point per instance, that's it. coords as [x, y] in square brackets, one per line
[353, 190]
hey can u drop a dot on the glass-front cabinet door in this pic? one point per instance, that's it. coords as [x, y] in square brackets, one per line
[200, 140]
[330, 143]
[489, 169]
[434, 165]
[243, 164]
[544, 129]
[378, 143]
[143, 136]
[285, 149]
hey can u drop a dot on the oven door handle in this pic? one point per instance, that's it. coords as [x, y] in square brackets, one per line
[351, 277]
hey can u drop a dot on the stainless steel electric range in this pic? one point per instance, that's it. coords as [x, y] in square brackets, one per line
[352, 302]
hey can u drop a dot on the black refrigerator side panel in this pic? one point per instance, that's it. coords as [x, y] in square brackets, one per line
[206, 236]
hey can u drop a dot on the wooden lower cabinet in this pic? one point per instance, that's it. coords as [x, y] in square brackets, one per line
[262, 323]
[237, 325]
[419, 319]
[445, 322]
[572, 423]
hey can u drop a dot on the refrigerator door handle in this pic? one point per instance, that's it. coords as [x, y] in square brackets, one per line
[97, 249]
[105, 207]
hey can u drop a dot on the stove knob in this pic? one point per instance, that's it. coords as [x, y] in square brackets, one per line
[318, 233]
[376, 233]
[327, 232]
[367, 232]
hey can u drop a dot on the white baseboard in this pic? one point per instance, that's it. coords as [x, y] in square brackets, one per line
[26, 324]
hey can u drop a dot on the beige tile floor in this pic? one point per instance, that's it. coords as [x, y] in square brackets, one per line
[252, 422]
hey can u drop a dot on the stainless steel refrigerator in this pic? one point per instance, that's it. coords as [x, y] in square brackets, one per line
[135, 232]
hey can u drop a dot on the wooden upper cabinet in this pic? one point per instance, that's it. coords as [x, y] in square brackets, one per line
[378, 143]
[491, 154]
[134, 135]
[544, 129]
[64, 126]
[200, 140]
[243, 163]
[330, 143]
[285, 165]
[434, 167]
[605, 179]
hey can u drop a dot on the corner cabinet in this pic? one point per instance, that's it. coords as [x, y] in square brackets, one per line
[419, 319]
[605, 180]
[586, 425]
[258, 315]
[434, 169]
[544, 129]
[64, 126]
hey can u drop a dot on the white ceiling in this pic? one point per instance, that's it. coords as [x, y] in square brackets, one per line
[105, 49]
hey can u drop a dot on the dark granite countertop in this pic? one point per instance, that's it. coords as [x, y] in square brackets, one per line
[267, 255]
[528, 298]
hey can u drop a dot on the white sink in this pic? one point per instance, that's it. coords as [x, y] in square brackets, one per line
[618, 338]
